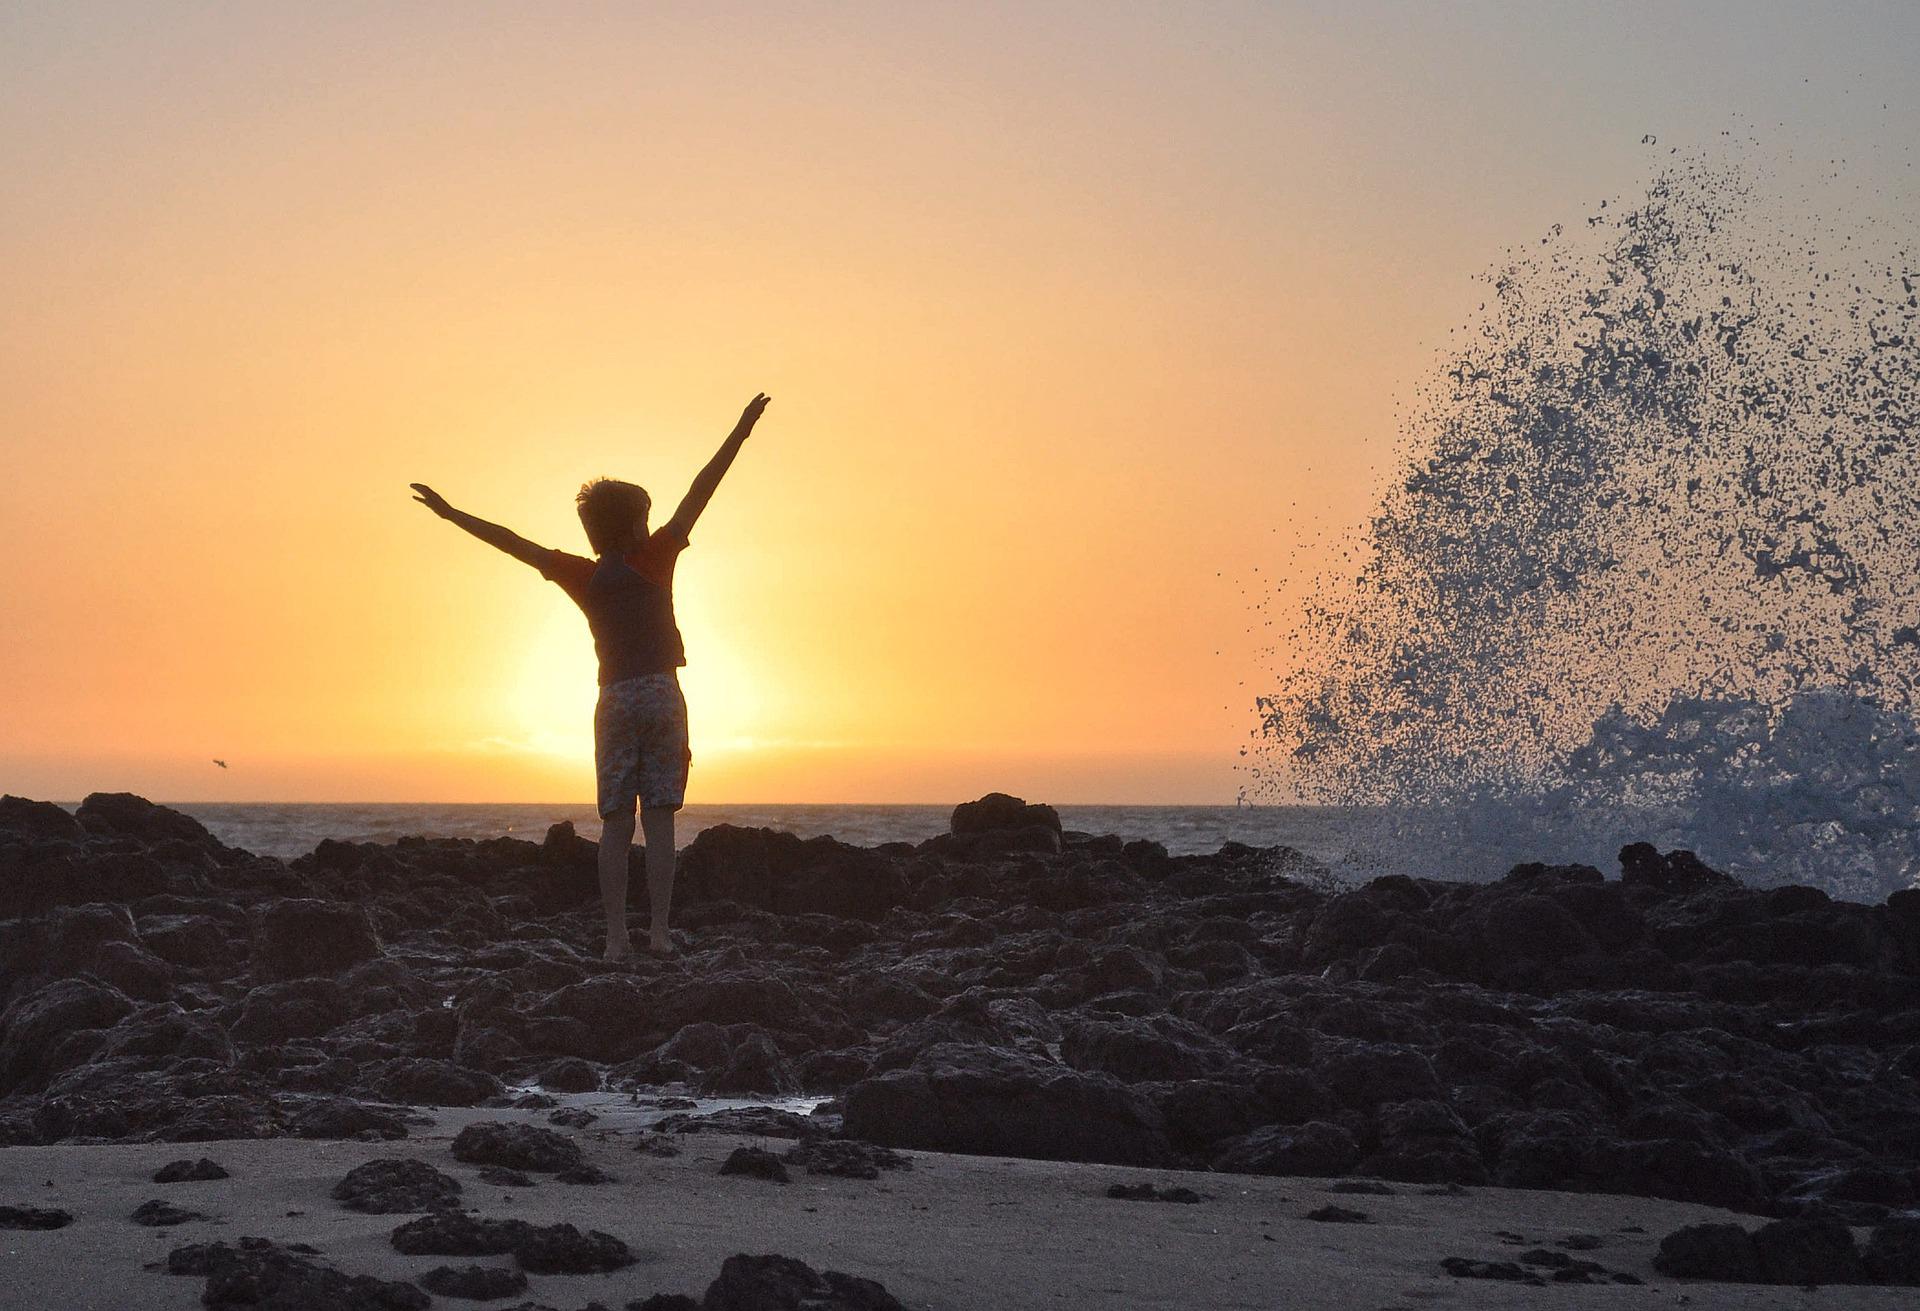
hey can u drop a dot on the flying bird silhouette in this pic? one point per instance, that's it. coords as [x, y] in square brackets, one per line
[221, 763]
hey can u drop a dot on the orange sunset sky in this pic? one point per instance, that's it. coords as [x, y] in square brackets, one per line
[1073, 315]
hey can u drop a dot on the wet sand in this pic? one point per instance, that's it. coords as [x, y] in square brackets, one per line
[953, 1232]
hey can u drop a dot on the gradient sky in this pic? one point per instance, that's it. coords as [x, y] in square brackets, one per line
[1069, 313]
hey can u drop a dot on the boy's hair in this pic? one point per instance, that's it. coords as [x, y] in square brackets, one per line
[608, 509]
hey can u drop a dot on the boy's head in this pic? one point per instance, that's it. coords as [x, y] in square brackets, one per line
[614, 514]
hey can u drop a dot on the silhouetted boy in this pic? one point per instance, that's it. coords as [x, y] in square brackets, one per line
[640, 725]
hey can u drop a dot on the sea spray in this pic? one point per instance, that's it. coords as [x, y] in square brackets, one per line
[1648, 564]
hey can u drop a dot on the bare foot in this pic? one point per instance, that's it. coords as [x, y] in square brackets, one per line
[661, 950]
[617, 953]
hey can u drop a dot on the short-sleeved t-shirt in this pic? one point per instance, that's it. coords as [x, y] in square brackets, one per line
[628, 601]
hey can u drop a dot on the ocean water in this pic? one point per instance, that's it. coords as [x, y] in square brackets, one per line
[290, 829]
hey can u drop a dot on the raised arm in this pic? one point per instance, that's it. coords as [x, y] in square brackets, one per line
[492, 534]
[709, 478]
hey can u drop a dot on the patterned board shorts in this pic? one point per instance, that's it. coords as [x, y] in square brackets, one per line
[640, 744]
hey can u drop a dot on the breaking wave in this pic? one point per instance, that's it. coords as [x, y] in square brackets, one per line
[1648, 564]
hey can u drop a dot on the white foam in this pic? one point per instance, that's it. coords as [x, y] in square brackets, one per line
[1650, 562]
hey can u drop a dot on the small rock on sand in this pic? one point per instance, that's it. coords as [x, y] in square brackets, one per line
[757, 1162]
[780, 1283]
[1339, 1215]
[392, 1185]
[157, 1213]
[516, 1146]
[1151, 1193]
[479, 1282]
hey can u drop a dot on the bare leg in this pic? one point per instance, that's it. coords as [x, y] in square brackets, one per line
[616, 841]
[657, 821]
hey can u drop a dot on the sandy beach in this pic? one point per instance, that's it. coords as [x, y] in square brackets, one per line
[951, 1232]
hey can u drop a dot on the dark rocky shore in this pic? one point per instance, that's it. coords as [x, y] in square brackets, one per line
[1004, 989]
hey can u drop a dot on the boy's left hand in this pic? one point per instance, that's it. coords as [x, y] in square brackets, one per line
[431, 499]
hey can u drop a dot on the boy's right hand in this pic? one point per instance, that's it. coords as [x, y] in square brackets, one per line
[431, 499]
[751, 415]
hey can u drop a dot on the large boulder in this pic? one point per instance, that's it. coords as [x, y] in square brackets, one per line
[37, 820]
[1892, 1254]
[986, 1101]
[295, 937]
[1803, 1252]
[192, 941]
[1723, 1252]
[420, 1081]
[756, 1065]
[124, 815]
[1315, 1148]
[1674, 873]
[1001, 825]
[1136, 1049]
[274, 1013]
[32, 1027]
[997, 810]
